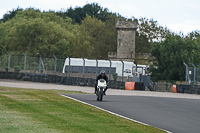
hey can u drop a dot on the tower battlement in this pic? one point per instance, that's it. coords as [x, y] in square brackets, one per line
[126, 24]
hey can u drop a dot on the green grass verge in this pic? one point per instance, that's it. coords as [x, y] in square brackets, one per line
[44, 111]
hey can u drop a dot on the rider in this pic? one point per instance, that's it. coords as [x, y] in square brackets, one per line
[102, 75]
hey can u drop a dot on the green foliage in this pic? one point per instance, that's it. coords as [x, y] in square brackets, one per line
[93, 38]
[94, 10]
[170, 55]
[2, 49]
[194, 34]
[148, 31]
[142, 45]
[115, 75]
[4, 61]
[152, 30]
[33, 32]
[9, 15]
[17, 68]
[6, 69]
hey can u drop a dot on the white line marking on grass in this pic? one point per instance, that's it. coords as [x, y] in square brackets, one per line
[111, 112]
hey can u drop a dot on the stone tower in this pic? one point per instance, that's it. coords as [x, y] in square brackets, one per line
[125, 40]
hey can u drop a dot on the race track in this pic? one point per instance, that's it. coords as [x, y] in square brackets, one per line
[178, 113]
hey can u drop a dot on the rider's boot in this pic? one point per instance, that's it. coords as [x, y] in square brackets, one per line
[104, 92]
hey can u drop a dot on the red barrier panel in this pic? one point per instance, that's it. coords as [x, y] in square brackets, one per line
[174, 90]
[129, 85]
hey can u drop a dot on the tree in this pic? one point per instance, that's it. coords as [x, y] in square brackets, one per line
[89, 40]
[2, 49]
[152, 30]
[97, 11]
[194, 34]
[10, 15]
[33, 32]
[142, 45]
[94, 38]
[170, 55]
[148, 31]
[94, 10]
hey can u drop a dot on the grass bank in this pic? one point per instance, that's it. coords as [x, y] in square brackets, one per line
[44, 111]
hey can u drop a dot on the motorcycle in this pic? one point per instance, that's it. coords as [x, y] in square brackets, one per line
[101, 86]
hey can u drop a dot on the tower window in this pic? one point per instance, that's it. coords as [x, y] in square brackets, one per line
[119, 42]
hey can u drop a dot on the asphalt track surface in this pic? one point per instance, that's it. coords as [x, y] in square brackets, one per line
[177, 113]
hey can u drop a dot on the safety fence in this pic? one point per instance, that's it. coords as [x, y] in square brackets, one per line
[27, 64]
[192, 75]
[55, 66]
[50, 70]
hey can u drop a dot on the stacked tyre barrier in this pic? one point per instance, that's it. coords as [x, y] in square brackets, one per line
[134, 86]
[47, 78]
[191, 89]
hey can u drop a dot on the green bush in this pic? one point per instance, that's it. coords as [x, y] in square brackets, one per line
[115, 75]
[17, 68]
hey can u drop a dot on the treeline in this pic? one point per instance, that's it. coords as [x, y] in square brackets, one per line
[87, 31]
[32, 31]
[170, 54]
[90, 32]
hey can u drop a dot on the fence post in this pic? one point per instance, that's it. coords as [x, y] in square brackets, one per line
[110, 69]
[24, 62]
[122, 71]
[39, 62]
[83, 66]
[55, 64]
[8, 61]
[96, 66]
[186, 72]
[135, 62]
[194, 72]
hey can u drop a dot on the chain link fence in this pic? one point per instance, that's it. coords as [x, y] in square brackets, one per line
[193, 75]
[35, 65]
[192, 79]
[50, 70]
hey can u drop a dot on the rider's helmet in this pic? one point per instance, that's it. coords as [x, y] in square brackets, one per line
[103, 73]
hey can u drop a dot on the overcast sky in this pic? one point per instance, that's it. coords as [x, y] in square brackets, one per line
[176, 15]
